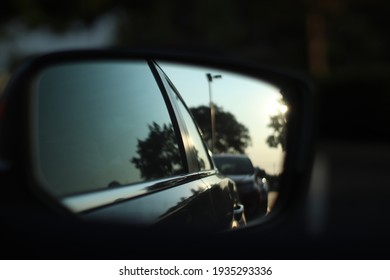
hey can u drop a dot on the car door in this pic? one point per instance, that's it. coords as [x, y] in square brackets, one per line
[109, 145]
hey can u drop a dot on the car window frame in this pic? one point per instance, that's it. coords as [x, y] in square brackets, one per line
[174, 114]
[192, 160]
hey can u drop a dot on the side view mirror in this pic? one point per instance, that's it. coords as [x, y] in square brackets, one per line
[127, 138]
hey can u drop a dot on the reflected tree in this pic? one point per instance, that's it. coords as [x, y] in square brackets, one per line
[159, 154]
[278, 124]
[231, 135]
[200, 161]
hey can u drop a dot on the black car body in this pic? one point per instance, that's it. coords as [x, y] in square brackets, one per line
[251, 186]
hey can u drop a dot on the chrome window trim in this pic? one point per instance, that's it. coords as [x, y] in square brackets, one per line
[88, 201]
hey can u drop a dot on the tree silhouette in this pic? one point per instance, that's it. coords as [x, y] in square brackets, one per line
[231, 136]
[278, 124]
[159, 154]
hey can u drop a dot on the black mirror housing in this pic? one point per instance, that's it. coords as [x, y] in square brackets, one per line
[17, 154]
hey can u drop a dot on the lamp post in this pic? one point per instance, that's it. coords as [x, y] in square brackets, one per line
[210, 78]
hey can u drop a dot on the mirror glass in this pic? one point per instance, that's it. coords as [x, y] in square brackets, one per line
[108, 131]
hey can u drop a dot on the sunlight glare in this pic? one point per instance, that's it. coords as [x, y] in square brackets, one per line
[275, 108]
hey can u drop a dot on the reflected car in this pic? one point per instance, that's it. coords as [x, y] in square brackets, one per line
[250, 181]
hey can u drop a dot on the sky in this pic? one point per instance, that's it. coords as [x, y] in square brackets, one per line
[250, 100]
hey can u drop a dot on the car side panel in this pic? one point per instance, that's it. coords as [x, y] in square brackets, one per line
[223, 197]
[185, 206]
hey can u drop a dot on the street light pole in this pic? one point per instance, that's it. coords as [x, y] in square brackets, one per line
[212, 109]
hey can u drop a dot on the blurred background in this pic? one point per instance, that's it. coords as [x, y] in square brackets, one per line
[341, 45]
[328, 39]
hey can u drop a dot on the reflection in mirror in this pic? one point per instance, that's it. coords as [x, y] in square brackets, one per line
[115, 139]
[238, 115]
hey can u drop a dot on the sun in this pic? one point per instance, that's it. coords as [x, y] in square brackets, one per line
[276, 107]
